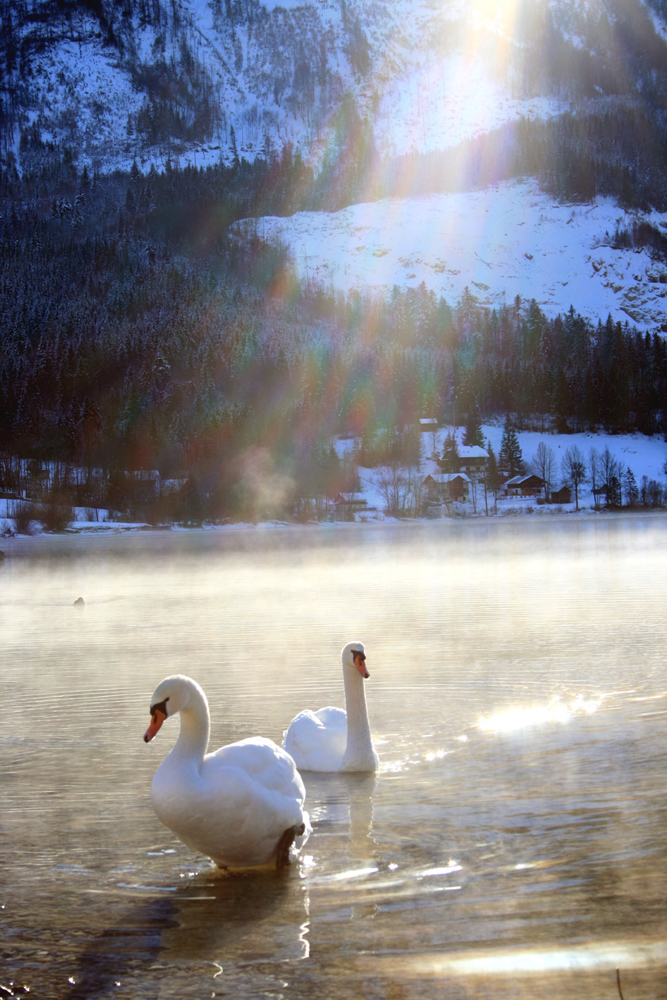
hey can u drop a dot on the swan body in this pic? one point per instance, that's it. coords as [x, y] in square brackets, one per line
[333, 739]
[242, 805]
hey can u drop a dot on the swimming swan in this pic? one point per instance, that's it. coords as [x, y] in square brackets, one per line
[331, 739]
[242, 805]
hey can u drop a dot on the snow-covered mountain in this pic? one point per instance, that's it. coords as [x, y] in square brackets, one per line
[203, 80]
[503, 163]
[422, 122]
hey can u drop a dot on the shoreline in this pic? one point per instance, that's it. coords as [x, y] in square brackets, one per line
[108, 535]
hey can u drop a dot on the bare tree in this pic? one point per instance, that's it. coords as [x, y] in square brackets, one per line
[401, 489]
[574, 470]
[594, 472]
[544, 465]
[394, 485]
[417, 493]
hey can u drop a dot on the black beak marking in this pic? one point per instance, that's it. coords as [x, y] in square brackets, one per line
[160, 707]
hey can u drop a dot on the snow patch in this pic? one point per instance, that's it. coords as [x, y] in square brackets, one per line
[502, 242]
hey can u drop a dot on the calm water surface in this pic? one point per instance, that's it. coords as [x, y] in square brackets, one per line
[513, 844]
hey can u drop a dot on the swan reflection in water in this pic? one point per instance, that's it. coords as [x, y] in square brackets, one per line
[216, 920]
[210, 921]
[256, 916]
[341, 810]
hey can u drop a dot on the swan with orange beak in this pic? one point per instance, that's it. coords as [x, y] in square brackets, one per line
[334, 739]
[242, 805]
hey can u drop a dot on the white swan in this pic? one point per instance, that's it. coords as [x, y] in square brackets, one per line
[242, 805]
[331, 739]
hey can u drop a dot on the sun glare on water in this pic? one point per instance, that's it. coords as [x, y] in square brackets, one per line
[536, 715]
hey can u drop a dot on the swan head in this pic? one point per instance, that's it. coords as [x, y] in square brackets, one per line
[354, 657]
[172, 695]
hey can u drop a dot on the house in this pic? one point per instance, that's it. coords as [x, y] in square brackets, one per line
[609, 492]
[428, 424]
[448, 486]
[350, 501]
[469, 459]
[474, 461]
[524, 486]
[562, 495]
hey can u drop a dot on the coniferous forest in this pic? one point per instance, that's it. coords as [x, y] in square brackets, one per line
[139, 333]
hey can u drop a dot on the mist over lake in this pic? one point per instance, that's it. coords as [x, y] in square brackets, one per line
[511, 843]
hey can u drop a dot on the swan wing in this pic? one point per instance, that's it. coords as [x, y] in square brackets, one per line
[263, 761]
[317, 740]
[238, 804]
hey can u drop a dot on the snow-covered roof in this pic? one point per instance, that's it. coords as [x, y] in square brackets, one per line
[447, 477]
[472, 451]
[518, 480]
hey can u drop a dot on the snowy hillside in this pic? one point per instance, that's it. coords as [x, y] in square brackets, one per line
[205, 81]
[502, 242]
[277, 72]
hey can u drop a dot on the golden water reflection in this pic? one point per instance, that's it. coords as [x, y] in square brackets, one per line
[512, 843]
[536, 715]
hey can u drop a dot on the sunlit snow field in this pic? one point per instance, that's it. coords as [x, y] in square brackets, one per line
[501, 242]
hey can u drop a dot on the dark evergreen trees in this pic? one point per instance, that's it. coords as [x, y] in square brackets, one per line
[171, 350]
[630, 488]
[450, 454]
[510, 459]
[473, 428]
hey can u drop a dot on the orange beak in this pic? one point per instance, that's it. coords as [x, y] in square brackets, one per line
[360, 665]
[156, 722]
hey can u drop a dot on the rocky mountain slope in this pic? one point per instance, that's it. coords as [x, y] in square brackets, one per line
[201, 81]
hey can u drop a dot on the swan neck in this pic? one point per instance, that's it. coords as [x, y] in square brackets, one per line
[358, 727]
[195, 727]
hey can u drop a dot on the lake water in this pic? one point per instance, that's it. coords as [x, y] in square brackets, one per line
[513, 843]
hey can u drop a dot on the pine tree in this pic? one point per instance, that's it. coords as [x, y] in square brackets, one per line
[234, 148]
[510, 459]
[631, 488]
[450, 454]
[473, 429]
